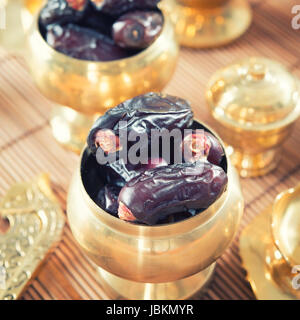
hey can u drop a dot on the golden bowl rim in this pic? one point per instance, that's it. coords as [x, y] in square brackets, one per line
[34, 29]
[164, 230]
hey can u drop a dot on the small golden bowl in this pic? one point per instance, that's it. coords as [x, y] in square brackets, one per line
[90, 87]
[255, 102]
[208, 23]
[170, 261]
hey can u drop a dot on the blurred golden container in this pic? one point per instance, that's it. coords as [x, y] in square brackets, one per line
[208, 23]
[255, 102]
[92, 87]
[170, 261]
[18, 17]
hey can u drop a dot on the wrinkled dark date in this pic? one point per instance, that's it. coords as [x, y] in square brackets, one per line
[107, 198]
[162, 191]
[178, 216]
[143, 113]
[87, 30]
[203, 146]
[216, 152]
[62, 11]
[82, 43]
[117, 7]
[97, 21]
[118, 170]
[137, 29]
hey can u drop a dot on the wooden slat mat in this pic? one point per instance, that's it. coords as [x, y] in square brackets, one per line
[27, 148]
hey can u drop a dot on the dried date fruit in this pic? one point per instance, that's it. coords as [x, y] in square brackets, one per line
[152, 164]
[117, 7]
[97, 21]
[107, 198]
[107, 141]
[216, 152]
[83, 43]
[179, 216]
[159, 192]
[126, 171]
[202, 145]
[137, 29]
[62, 11]
[143, 113]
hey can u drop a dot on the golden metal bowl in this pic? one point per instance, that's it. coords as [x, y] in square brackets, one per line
[208, 23]
[93, 87]
[255, 102]
[170, 261]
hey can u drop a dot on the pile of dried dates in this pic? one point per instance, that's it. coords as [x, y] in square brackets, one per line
[166, 186]
[100, 30]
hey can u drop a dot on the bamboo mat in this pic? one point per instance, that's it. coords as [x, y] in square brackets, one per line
[27, 148]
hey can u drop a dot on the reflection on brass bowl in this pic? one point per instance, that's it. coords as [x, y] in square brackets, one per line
[91, 88]
[171, 261]
[208, 23]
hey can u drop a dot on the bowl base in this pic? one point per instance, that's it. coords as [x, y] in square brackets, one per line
[119, 288]
[70, 128]
[254, 165]
[200, 27]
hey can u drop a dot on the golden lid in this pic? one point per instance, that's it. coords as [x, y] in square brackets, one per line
[254, 92]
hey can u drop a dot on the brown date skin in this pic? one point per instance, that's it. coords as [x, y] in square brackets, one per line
[62, 11]
[118, 7]
[137, 29]
[83, 43]
[143, 113]
[120, 171]
[207, 148]
[107, 198]
[97, 21]
[160, 192]
[216, 152]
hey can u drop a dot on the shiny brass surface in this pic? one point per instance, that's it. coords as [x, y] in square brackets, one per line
[255, 102]
[120, 288]
[166, 262]
[35, 225]
[205, 23]
[93, 87]
[269, 273]
[69, 127]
